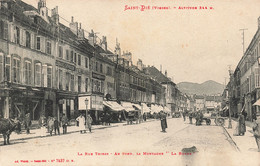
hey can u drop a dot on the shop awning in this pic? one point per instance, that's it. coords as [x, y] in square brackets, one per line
[160, 108]
[137, 106]
[257, 102]
[113, 105]
[145, 108]
[127, 106]
[166, 109]
[155, 108]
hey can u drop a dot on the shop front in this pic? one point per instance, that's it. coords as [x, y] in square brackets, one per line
[91, 104]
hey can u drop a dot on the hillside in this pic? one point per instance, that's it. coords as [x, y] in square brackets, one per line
[208, 88]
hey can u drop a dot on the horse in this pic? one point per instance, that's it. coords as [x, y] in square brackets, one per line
[7, 126]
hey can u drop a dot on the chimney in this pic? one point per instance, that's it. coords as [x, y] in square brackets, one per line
[74, 26]
[42, 9]
[81, 33]
[91, 37]
[165, 73]
[55, 15]
[41, 4]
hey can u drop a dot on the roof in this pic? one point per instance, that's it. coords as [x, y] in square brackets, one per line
[157, 75]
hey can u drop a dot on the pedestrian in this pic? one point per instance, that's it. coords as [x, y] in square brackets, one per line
[144, 116]
[81, 121]
[184, 115]
[51, 125]
[89, 120]
[56, 126]
[256, 130]
[42, 124]
[27, 123]
[244, 113]
[190, 117]
[241, 126]
[162, 117]
[64, 123]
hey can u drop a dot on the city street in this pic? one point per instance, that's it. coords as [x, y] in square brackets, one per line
[141, 144]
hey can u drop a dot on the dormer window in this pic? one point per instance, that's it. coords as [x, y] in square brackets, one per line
[42, 13]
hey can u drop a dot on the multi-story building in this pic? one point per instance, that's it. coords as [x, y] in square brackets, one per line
[245, 81]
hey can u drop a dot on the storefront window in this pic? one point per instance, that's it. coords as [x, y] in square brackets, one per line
[38, 74]
[16, 70]
[28, 72]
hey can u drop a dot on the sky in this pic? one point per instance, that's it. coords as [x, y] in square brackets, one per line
[192, 45]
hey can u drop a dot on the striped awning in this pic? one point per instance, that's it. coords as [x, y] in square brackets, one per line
[128, 106]
[114, 106]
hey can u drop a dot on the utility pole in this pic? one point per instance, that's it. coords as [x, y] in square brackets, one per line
[243, 35]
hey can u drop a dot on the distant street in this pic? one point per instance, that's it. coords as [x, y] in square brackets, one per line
[128, 140]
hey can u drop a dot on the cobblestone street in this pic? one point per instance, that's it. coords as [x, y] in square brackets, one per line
[128, 141]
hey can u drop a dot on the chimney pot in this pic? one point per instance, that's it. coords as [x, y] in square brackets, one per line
[72, 19]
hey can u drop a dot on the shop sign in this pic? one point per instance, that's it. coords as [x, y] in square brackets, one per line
[65, 65]
[98, 76]
[94, 102]
[82, 71]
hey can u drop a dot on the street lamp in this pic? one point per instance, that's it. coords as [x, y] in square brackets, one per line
[86, 102]
[229, 97]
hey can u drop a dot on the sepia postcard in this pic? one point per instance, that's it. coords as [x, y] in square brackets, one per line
[129, 82]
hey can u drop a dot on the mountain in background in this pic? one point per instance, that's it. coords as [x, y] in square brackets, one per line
[206, 88]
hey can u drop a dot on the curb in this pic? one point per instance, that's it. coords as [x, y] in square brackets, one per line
[230, 140]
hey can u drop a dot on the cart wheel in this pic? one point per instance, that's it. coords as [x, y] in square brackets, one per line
[208, 121]
[220, 121]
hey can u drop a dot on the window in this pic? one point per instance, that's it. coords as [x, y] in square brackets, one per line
[8, 68]
[38, 74]
[257, 78]
[96, 66]
[86, 85]
[3, 30]
[60, 79]
[101, 68]
[68, 77]
[48, 48]
[109, 71]
[79, 83]
[49, 76]
[75, 57]
[38, 43]
[60, 52]
[71, 56]
[72, 83]
[16, 70]
[28, 72]
[86, 62]
[67, 55]
[5, 35]
[1, 66]
[79, 59]
[17, 35]
[28, 39]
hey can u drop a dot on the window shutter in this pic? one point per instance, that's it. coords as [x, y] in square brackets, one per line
[32, 40]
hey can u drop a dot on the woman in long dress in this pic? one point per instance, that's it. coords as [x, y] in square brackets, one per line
[81, 121]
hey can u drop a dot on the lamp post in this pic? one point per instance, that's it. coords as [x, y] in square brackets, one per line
[86, 102]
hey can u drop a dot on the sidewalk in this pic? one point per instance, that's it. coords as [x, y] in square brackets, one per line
[36, 133]
[244, 143]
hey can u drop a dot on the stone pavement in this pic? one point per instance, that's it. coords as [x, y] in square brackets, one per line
[36, 132]
[246, 143]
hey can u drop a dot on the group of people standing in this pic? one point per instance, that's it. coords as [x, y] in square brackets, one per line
[84, 123]
[52, 124]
